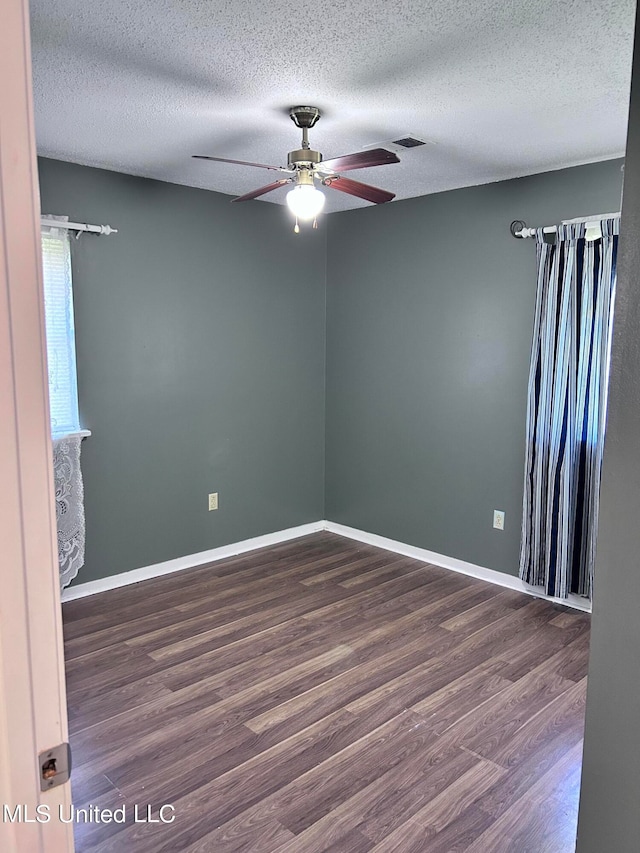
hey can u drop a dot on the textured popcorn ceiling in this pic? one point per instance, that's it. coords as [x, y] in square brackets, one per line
[500, 88]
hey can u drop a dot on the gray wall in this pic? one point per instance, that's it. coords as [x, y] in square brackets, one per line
[200, 341]
[201, 363]
[430, 307]
[609, 816]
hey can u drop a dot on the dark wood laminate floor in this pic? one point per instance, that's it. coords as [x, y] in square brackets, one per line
[323, 695]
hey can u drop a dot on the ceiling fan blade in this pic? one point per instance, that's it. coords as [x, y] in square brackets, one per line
[238, 162]
[262, 190]
[360, 160]
[346, 185]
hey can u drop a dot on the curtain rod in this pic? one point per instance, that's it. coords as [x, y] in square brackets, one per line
[519, 228]
[78, 226]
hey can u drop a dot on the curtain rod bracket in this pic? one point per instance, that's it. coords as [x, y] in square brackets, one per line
[516, 227]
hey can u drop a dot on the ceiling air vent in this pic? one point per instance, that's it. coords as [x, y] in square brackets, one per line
[401, 145]
[408, 142]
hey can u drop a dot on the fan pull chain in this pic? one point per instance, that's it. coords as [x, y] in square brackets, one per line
[315, 223]
[297, 227]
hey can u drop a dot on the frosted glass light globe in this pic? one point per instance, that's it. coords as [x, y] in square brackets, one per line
[305, 201]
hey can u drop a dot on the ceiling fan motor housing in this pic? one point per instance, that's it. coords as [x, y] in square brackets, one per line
[304, 157]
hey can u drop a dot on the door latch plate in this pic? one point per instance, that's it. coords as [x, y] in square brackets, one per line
[54, 766]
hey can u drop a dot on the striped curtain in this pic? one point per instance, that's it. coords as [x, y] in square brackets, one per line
[566, 408]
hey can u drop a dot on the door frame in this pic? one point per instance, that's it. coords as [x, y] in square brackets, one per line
[33, 711]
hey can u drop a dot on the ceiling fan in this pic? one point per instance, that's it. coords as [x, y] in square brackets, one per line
[306, 166]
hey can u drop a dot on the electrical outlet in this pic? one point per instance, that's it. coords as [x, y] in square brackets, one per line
[213, 501]
[498, 519]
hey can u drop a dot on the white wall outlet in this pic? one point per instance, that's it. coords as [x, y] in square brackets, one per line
[213, 501]
[498, 519]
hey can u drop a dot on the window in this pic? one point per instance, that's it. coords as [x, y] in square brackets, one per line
[61, 345]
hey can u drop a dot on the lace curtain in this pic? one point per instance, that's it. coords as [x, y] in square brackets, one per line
[69, 506]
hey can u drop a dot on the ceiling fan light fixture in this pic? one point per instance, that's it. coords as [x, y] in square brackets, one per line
[305, 202]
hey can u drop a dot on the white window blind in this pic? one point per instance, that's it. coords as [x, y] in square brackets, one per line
[61, 346]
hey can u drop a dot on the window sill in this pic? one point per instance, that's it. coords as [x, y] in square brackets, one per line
[81, 433]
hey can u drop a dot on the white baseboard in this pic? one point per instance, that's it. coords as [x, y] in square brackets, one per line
[455, 565]
[189, 562]
[192, 561]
